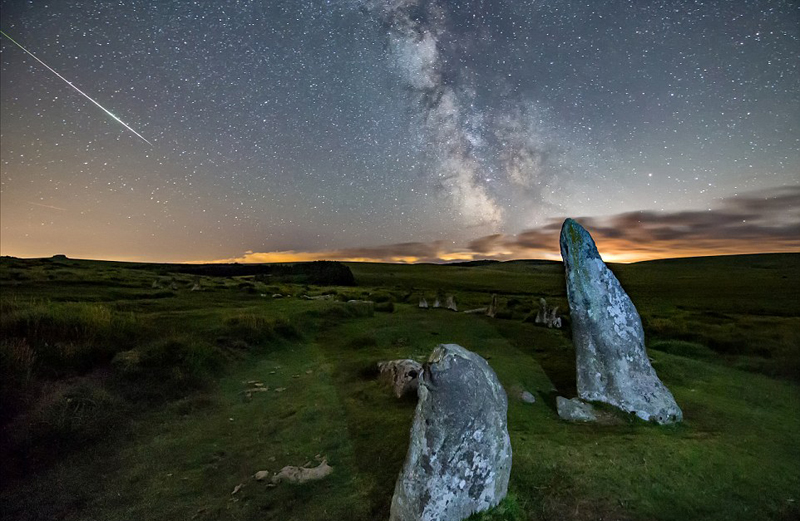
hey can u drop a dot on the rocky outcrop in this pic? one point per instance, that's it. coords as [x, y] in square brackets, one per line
[574, 410]
[402, 375]
[611, 361]
[459, 458]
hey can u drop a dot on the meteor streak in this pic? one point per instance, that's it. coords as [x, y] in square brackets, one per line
[77, 89]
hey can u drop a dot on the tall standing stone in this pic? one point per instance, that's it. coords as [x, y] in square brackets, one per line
[611, 361]
[459, 456]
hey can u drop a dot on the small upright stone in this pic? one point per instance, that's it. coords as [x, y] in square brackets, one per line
[611, 361]
[423, 303]
[541, 315]
[459, 457]
[451, 303]
[492, 311]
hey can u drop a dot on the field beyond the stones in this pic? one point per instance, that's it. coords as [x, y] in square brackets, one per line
[123, 399]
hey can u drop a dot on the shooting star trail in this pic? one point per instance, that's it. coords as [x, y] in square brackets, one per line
[48, 206]
[77, 89]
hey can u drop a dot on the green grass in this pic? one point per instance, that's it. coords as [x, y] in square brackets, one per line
[159, 424]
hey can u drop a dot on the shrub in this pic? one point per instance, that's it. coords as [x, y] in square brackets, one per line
[380, 297]
[69, 336]
[363, 341]
[75, 415]
[255, 328]
[385, 307]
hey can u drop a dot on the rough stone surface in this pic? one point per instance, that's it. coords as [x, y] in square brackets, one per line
[611, 361]
[402, 375]
[574, 410]
[459, 457]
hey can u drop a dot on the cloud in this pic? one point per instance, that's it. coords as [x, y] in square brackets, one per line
[756, 222]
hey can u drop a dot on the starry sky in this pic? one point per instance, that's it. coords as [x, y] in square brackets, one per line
[398, 130]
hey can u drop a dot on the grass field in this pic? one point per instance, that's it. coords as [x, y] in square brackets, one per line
[125, 394]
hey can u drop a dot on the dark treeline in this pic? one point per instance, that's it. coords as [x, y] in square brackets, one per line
[323, 273]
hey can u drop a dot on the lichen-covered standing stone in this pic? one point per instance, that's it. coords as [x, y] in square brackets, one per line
[611, 361]
[459, 456]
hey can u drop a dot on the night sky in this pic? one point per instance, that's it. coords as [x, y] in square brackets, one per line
[398, 130]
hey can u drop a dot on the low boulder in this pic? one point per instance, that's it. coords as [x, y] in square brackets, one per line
[574, 410]
[402, 375]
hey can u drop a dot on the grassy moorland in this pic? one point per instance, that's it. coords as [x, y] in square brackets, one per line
[126, 395]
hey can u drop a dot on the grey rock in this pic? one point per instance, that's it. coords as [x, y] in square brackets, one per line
[402, 375]
[611, 360]
[423, 303]
[451, 303]
[574, 410]
[475, 311]
[546, 316]
[541, 315]
[459, 456]
[527, 397]
[492, 311]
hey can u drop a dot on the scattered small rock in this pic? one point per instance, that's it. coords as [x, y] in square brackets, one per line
[236, 489]
[261, 475]
[280, 389]
[302, 474]
[527, 397]
[575, 410]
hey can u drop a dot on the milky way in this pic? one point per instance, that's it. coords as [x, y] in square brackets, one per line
[350, 124]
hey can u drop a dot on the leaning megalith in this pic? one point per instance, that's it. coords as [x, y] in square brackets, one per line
[611, 360]
[459, 456]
